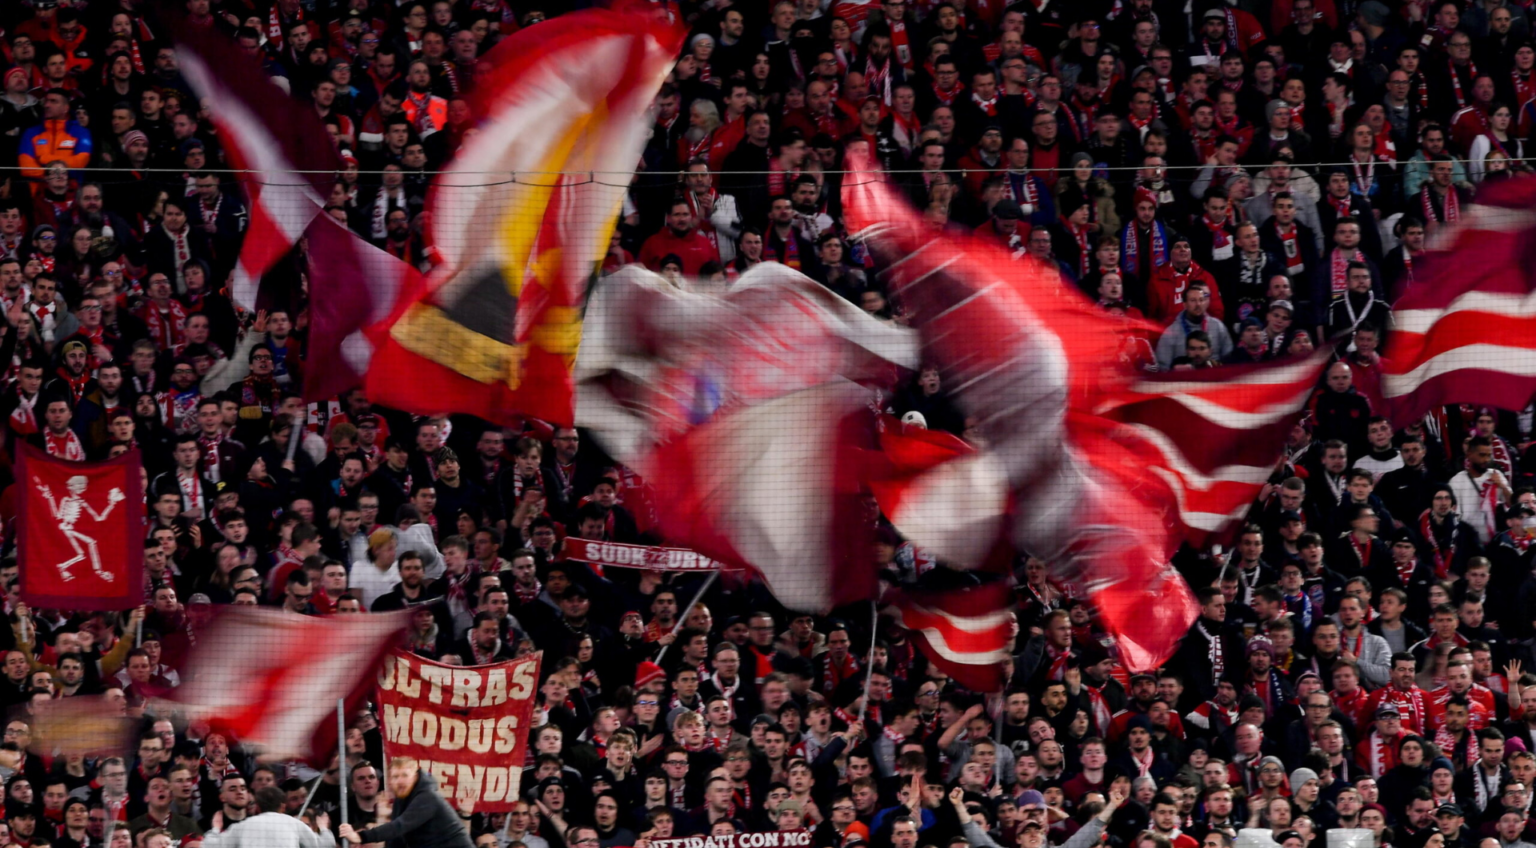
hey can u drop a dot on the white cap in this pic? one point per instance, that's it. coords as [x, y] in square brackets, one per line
[915, 419]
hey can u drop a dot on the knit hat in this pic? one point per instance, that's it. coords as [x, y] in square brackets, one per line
[1374, 13]
[1299, 777]
[1274, 760]
[131, 136]
[1261, 643]
[20, 72]
[647, 672]
[1439, 763]
[1081, 158]
[1271, 107]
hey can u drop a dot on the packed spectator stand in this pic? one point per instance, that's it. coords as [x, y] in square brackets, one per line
[1258, 178]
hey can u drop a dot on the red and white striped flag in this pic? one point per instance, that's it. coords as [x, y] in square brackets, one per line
[1212, 436]
[281, 148]
[965, 632]
[1466, 332]
[272, 678]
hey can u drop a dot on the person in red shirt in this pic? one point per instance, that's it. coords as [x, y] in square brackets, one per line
[679, 238]
[1165, 293]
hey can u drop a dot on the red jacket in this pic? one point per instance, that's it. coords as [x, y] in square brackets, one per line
[1165, 293]
[694, 249]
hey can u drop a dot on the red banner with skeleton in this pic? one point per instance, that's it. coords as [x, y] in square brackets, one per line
[80, 529]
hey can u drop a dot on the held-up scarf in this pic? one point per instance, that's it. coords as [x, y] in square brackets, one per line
[66, 446]
[1290, 249]
[1338, 273]
[1381, 757]
[900, 44]
[1442, 556]
[1059, 658]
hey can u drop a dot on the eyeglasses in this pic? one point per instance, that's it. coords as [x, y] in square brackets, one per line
[647, 703]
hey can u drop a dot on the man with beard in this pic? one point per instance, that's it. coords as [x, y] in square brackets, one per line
[679, 238]
[783, 242]
[1480, 489]
[1410, 702]
[414, 588]
[483, 644]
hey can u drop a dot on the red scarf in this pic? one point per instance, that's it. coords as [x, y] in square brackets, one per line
[1059, 659]
[1442, 557]
[947, 98]
[987, 106]
[1362, 552]
[76, 384]
[1461, 100]
[167, 326]
[1339, 272]
[1290, 247]
[1447, 744]
[789, 255]
[1219, 235]
[1084, 252]
[900, 44]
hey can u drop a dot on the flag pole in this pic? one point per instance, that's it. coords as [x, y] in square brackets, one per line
[869, 664]
[341, 737]
[697, 596]
[310, 797]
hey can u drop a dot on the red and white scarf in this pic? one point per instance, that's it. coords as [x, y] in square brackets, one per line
[66, 446]
[1451, 204]
[1442, 558]
[1084, 251]
[1060, 658]
[1290, 249]
[1338, 272]
[1461, 99]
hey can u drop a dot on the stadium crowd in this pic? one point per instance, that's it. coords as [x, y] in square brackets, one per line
[1258, 178]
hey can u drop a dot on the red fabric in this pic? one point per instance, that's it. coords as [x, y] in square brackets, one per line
[80, 547]
[1432, 360]
[1165, 293]
[694, 249]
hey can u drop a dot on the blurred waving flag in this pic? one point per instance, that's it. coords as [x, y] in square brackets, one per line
[277, 143]
[766, 480]
[522, 215]
[352, 287]
[1212, 436]
[255, 674]
[1466, 333]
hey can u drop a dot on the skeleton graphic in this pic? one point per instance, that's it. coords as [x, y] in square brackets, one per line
[68, 511]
